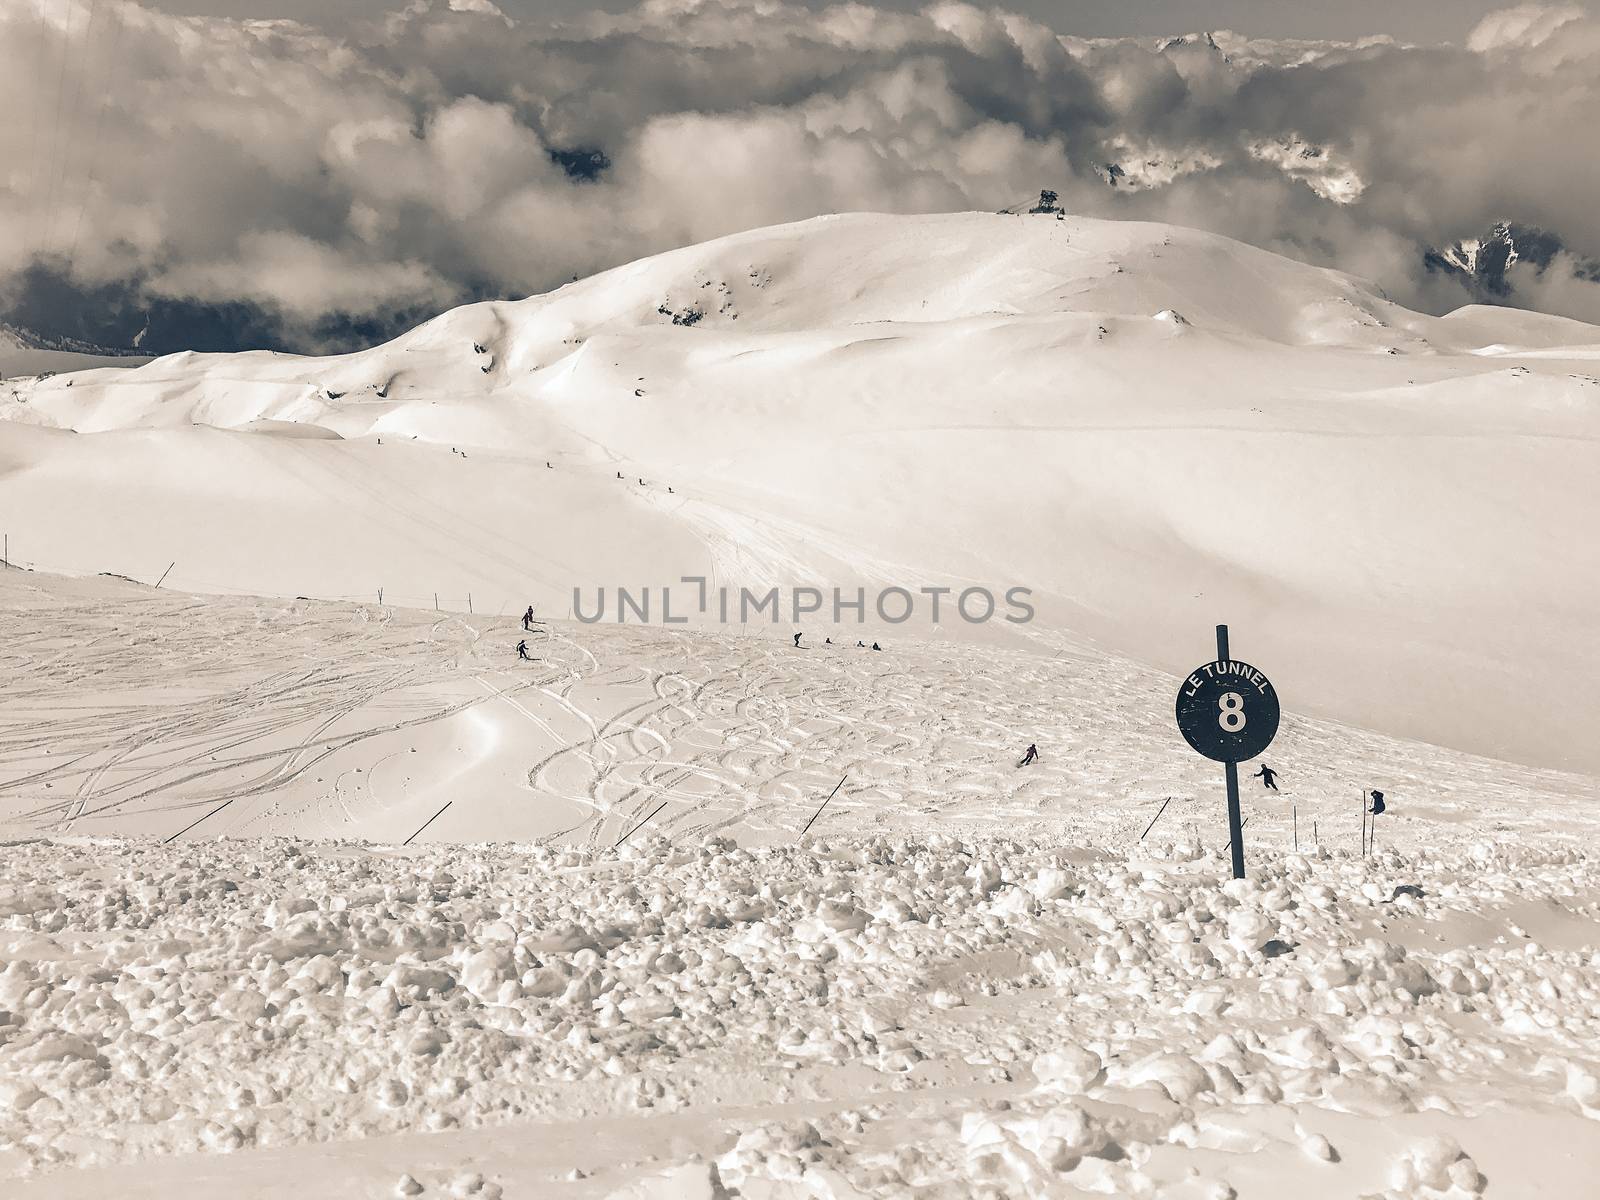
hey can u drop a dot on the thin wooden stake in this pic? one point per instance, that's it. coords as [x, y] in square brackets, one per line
[428, 822]
[1156, 818]
[165, 573]
[640, 825]
[1229, 846]
[197, 820]
[823, 805]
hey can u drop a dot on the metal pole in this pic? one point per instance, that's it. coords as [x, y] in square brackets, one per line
[1294, 810]
[165, 573]
[1231, 773]
[1363, 823]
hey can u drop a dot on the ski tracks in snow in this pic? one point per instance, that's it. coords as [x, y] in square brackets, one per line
[124, 710]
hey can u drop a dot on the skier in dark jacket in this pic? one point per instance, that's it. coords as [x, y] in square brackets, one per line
[1268, 777]
[1378, 805]
[527, 618]
[1031, 756]
[522, 651]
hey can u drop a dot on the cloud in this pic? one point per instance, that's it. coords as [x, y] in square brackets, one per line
[1525, 25]
[327, 185]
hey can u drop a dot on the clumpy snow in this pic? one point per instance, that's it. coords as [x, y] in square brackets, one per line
[922, 1015]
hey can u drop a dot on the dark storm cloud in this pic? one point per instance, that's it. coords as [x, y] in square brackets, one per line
[333, 184]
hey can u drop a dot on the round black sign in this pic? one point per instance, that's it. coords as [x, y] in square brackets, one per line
[1228, 711]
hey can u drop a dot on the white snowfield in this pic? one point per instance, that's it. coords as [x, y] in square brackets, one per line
[613, 962]
[968, 979]
[1151, 427]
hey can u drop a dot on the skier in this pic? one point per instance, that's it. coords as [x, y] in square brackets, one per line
[797, 641]
[1031, 756]
[527, 618]
[827, 641]
[875, 646]
[1378, 805]
[522, 650]
[1268, 777]
[861, 645]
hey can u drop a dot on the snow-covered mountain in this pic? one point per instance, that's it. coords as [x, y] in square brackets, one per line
[1490, 266]
[25, 352]
[1153, 428]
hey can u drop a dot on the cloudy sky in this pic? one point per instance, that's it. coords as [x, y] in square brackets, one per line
[185, 165]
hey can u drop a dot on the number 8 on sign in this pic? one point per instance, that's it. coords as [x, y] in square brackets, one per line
[1232, 706]
[1228, 711]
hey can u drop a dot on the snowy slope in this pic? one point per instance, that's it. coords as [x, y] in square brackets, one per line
[1153, 428]
[966, 979]
[130, 711]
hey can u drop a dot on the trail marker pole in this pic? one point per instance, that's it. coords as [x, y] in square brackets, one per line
[1156, 818]
[1228, 711]
[1294, 812]
[1363, 823]
[436, 602]
[1230, 773]
[469, 602]
[823, 805]
[170, 565]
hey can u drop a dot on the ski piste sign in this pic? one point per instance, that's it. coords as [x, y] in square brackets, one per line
[1228, 711]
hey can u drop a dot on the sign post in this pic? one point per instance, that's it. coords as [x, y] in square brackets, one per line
[1228, 711]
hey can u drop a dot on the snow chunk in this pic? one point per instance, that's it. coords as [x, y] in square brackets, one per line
[1071, 1070]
